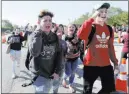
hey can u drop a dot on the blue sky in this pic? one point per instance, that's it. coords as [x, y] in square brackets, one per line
[22, 12]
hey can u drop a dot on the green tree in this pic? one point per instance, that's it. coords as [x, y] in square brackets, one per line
[81, 19]
[119, 19]
[115, 16]
[114, 11]
[6, 25]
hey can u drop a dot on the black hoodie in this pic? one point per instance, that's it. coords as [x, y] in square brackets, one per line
[46, 53]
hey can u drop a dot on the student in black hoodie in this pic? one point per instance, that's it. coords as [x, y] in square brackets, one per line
[46, 54]
[15, 41]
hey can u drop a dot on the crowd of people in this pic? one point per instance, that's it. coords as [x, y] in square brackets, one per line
[54, 52]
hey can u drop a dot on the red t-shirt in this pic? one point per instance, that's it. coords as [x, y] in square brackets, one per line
[101, 49]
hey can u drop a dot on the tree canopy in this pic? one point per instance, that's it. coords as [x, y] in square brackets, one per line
[115, 16]
[6, 25]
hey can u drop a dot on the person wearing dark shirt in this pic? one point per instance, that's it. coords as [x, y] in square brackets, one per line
[46, 53]
[15, 42]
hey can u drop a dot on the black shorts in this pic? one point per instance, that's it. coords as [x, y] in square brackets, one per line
[106, 74]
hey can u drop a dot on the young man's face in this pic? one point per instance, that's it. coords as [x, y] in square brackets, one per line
[102, 15]
[46, 23]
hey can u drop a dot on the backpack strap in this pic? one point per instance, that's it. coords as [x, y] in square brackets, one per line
[90, 37]
[93, 30]
[110, 30]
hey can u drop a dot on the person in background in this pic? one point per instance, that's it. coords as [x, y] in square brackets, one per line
[76, 29]
[125, 41]
[123, 27]
[100, 51]
[121, 30]
[35, 27]
[61, 27]
[28, 31]
[15, 42]
[56, 83]
[46, 54]
[21, 33]
[65, 30]
[72, 57]
[114, 28]
[54, 27]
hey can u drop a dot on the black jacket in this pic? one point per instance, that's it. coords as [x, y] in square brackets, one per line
[45, 52]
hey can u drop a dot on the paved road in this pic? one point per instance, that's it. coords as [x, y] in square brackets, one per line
[14, 86]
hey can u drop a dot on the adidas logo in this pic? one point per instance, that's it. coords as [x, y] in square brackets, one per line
[101, 46]
[103, 38]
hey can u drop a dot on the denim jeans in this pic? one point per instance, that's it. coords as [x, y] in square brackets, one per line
[70, 69]
[57, 83]
[15, 57]
[106, 74]
[43, 85]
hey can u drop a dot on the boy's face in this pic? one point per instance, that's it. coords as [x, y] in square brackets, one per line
[46, 23]
[102, 15]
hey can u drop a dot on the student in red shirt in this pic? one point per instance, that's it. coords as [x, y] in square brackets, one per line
[100, 51]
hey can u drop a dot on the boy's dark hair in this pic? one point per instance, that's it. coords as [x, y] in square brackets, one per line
[75, 28]
[53, 24]
[45, 13]
[62, 26]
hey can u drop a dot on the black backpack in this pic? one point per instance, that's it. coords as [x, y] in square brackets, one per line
[93, 30]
